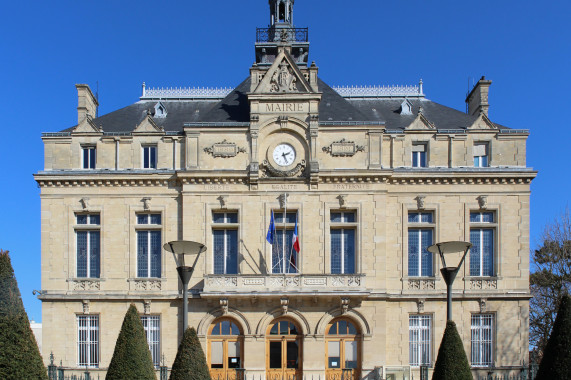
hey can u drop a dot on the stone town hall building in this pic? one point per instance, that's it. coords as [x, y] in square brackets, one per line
[369, 177]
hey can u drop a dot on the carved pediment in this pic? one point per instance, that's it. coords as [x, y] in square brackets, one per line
[87, 126]
[482, 122]
[148, 126]
[420, 123]
[284, 76]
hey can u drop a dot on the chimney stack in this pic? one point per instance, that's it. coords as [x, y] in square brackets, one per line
[477, 99]
[86, 102]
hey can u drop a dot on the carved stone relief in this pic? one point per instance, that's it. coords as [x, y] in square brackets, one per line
[283, 80]
[224, 149]
[343, 148]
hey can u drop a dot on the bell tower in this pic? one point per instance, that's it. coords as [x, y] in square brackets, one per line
[281, 33]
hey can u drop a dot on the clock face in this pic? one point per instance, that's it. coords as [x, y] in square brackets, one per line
[284, 155]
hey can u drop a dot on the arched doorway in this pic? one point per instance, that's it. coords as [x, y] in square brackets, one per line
[284, 342]
[342, 350]
[225, 350]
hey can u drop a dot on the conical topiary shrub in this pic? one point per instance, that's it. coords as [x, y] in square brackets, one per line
[190, 363]
[451, 363]
[131, 358]
[556, 361]
[19, 354]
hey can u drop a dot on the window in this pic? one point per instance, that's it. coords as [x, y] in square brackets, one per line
[420, 234]
[225, 353]
[419, 155]
[419, 338]
[343, 227]
[342, 345]
[284, 256]
[88, 157]
[152, 326]
[482, 331]
[88, 341]
[480, 155]
[149, 157]
[87, 237]
[482, 231]
[225, 239]
[149, 245]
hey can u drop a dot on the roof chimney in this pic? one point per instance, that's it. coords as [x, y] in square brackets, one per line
[477, 99]
[86, 102]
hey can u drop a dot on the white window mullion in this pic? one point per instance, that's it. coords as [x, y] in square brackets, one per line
[149, 254]
[342, 249]
[481, 251]
[225, 255]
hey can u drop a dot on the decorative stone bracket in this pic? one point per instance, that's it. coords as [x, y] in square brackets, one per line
[270, 171]
[224, 149]
[343, 148]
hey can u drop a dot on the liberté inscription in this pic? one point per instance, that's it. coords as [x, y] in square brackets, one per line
[283, 107]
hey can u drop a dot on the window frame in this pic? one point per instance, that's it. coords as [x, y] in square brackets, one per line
[482, 344]
[342, 226]
[417, 346]
[477, 159]
[288, 227]
[150, 164]
[226, 226]
[89, 342]
[89, 228]
[421, 156]
[148, 227]
[343, 339]
[91, 163]
[154, 346]
[482, 226]
[419, 227]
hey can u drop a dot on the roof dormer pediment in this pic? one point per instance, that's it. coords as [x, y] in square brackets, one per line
[482, 122]
[148, 126]
[284, 76]
[87, 126]
[420, 123]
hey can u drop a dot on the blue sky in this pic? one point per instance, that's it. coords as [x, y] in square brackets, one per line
[48, 46]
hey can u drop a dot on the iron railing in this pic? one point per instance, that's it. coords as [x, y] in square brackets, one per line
[282, 34]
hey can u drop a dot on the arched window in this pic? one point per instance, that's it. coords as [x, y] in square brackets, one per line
[225, 348]
[342, 350]
[284, 341]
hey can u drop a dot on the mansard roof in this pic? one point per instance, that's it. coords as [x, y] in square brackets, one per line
[334, 109]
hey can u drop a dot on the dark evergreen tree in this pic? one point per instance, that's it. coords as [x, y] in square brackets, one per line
[556, 361]
[451, 363]
[131, 358]
[19, 354]
[190, 362]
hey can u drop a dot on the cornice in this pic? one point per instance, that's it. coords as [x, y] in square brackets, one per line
[102, 180]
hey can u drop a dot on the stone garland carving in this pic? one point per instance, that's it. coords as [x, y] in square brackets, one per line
[86, 285]
[343, 148]
[418, 284]
[224, 149]
[148, 285]
[483, 284]
[270, 171]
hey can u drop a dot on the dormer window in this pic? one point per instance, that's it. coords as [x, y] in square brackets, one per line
[419, 155]
[406, 107]
[88, 157]
[481, 155]
[160, 110]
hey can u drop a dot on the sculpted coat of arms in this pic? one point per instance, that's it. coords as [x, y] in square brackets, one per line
[283, 80]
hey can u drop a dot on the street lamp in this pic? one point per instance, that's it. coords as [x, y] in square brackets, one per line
[181, 249]
[449, 272]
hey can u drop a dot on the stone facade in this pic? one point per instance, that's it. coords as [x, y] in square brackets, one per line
[363, 167]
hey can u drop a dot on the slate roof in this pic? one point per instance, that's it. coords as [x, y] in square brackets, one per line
[234, 108]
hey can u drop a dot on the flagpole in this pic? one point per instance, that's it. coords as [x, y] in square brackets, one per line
[284, 233]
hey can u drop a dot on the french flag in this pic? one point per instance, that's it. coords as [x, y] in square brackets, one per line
[295, 239]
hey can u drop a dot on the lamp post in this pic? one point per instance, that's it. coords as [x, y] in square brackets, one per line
[449, 272]
[181, 249]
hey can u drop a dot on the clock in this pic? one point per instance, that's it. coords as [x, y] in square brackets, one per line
[284, 154]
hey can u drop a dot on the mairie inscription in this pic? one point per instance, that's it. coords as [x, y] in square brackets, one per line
[283, 107]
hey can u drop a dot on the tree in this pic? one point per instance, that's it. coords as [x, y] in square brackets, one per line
[550, 279]
[131, 358]
[190, 362]
[556, 361]
[19, 354]
[451, 363]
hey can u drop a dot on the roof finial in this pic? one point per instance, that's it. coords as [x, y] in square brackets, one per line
[420, 87]
[144, 88]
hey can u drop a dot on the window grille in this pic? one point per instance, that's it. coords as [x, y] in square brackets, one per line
[482, 331]
[88, 341]
[152, 326]
[420, 339]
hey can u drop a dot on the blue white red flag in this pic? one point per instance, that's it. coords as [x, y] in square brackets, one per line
[295, 239]
[270, 237]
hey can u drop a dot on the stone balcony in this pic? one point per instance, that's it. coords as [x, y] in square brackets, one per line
[273, 285]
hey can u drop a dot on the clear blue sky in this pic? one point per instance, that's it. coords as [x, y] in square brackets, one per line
[48, 46]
